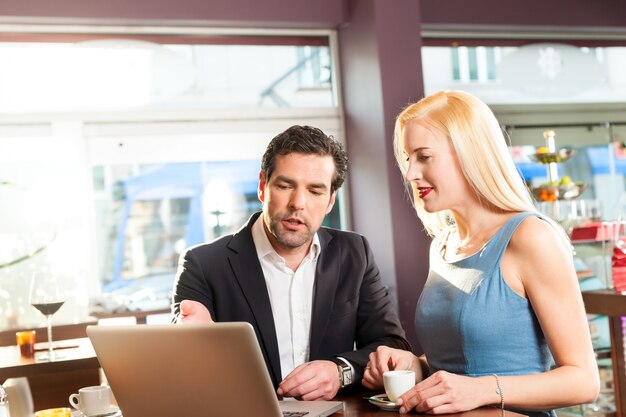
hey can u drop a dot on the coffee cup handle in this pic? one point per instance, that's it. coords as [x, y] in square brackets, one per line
[74, 401]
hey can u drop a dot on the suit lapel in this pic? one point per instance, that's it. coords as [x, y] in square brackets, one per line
[326, 280]
[249, 275]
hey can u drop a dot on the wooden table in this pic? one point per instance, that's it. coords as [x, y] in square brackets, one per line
[52, 382]
[356, 406]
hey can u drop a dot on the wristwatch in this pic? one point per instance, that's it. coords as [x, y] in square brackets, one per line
[345, 372]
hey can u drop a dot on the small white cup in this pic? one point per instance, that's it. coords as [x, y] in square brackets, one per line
[397, 383]
[92, 401]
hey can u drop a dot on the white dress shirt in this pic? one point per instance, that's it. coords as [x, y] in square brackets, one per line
[291, 297]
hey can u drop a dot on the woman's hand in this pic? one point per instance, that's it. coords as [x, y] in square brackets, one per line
[387, 359]
[444, 392]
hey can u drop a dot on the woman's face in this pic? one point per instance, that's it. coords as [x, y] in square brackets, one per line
[434, 170]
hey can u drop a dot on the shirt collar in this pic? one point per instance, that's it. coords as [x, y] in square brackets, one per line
[264, 247]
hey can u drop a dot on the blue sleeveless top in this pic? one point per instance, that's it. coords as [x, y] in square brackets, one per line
[470, 322]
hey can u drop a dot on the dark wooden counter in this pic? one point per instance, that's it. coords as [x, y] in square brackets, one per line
[59, 332]
[140, 316]
[612, 304]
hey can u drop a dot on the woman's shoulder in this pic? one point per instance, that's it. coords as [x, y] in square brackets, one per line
[536, 223]
[535, 236]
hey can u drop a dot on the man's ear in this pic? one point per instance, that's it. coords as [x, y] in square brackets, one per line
[331, 203]
[261, 189]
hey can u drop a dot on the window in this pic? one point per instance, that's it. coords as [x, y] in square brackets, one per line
[474, 64]
[531, 73]
[109, 172]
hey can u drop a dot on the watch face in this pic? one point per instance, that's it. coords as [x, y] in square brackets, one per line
[346, 376]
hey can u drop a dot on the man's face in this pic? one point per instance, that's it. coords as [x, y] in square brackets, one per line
[296, 199]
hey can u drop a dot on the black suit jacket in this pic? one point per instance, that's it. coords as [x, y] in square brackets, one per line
[352, 313]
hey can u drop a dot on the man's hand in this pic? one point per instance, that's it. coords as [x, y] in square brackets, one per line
[193, 312]
[385, 359]
[316, 380]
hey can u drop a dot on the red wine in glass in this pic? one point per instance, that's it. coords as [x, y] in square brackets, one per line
[46, 295]
[48, 309]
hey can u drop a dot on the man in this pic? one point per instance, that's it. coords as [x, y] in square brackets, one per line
[312, 294]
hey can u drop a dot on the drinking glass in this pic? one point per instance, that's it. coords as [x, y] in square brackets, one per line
[46, 295]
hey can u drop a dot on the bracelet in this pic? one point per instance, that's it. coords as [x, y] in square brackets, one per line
[499, 392]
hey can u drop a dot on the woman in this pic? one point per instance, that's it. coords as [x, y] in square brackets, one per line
[501, 318]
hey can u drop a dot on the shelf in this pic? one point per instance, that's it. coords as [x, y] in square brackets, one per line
[589, 241]
[606, 302]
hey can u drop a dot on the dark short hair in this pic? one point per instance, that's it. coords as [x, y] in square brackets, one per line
[306, 140]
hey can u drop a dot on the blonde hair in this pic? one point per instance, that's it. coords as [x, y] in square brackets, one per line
[481, 149]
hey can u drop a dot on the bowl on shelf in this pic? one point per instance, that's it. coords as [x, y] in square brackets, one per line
[561, 155]
[547, 192]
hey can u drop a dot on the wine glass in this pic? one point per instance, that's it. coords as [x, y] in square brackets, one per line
[46, 295]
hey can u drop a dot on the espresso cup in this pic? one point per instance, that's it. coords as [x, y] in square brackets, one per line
[92, 401]
[397, 383]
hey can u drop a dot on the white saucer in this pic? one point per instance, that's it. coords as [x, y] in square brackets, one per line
[113, 412]
[382, 401]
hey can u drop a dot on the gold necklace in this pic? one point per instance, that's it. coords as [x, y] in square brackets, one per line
[479, 239]
[459, 246]
[454, 240]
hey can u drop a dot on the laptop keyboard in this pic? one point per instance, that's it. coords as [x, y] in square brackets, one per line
[294, 413]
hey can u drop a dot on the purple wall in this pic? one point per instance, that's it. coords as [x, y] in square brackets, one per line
[325, 13]
[381, 74]
[528, 12]
[231, 13]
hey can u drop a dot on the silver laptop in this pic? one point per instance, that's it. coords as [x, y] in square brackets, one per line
[192, 370]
